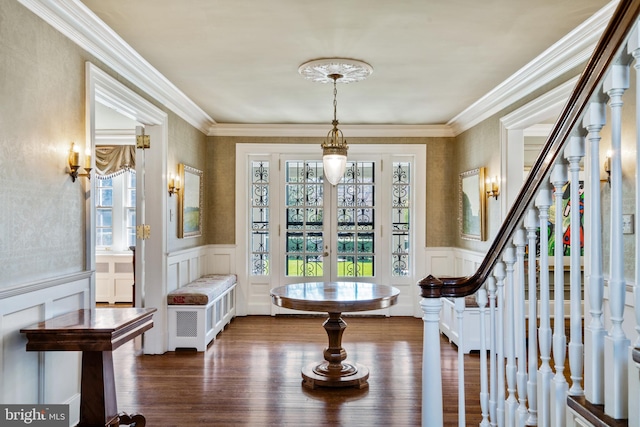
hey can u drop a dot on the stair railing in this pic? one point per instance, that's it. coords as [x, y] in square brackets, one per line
[526, 382]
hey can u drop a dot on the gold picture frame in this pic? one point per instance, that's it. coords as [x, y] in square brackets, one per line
[190, 202]
[472, 204]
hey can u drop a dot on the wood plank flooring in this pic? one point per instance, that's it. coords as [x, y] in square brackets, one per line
[250, 376]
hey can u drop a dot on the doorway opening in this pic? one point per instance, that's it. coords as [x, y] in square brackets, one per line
[115, 205]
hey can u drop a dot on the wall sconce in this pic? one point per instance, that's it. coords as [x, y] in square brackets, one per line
[492, 188]
[174, 184]
[607, 167]
[74, 163]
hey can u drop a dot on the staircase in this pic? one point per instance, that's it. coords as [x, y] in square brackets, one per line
[523, 378]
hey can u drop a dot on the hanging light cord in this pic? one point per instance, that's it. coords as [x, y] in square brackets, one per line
[335, 99]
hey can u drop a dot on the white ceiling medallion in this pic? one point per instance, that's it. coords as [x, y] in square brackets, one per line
[321, 70]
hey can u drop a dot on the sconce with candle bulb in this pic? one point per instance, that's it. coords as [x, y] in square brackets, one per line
[174, 184]
[492, 188]
[74, 163]
[607, 167]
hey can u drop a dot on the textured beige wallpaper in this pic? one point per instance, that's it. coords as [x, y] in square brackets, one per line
[221, 179]
[42, 111]
[187, 145]
[475, 148]
[42, 101]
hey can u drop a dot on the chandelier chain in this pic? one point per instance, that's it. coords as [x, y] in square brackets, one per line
[335, 101]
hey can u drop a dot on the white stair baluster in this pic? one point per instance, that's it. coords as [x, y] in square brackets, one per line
[500, 273]
[543, 203]
[519, 321]
[559, 179]
[481, 300]
[531, 224]
[459, 307]
[593, 121]
[616, 343]
[574, 154]
[493, 362]
[509, 259]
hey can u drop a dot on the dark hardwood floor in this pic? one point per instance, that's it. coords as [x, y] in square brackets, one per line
[250, 376]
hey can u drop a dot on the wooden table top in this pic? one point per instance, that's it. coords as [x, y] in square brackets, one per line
[100, 329]
[335, 297]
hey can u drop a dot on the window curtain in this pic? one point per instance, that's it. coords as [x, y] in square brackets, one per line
[113, 160]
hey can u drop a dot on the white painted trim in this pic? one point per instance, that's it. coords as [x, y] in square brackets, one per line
[352, 131]
[73, 19]
[466, 262]
[540, 108]
[539, 130]
[253, 297]
[77, 22]
[31, 375]
[115, 137]
[150, 259]
[569, 52]
[38, 285]
[512, 131]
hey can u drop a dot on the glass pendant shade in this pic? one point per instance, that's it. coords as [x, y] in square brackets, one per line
[334, 155]
[334, 167]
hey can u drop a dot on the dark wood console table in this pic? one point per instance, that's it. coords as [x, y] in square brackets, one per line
[96, 333]
[335, 298]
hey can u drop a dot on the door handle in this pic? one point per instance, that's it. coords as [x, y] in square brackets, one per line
[325, 254]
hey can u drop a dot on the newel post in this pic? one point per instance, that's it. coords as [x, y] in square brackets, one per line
[431, 370]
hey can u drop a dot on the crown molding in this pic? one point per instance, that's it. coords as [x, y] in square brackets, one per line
[115, 136]
[540, 130]
[350, 131]
[569, 52]
[541, 108]
[73, 19]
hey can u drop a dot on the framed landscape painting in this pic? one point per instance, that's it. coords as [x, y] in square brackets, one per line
[190, 202]
[472, 205]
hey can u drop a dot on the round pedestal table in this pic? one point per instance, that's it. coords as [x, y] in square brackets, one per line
[335, 298]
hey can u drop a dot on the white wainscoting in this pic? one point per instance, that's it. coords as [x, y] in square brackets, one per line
[451, 262]
[439, 262]
[187, 265]
[456, 262]
[114, 278]
[41, 377]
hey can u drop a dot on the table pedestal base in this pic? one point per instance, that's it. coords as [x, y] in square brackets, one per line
[318, 375]
[334, 372]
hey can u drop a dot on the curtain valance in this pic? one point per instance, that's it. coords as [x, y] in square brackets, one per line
[112, 160]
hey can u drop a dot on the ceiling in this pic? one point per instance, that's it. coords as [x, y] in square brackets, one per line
[238, 60]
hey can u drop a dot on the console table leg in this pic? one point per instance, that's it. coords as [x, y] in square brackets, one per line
[97, 389]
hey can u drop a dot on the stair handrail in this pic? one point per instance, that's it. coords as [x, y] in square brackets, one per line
[621, 23]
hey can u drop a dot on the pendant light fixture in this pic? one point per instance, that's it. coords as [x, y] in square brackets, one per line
[335, 70]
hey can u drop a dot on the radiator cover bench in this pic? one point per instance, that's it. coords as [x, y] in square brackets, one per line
[199, 310]
[449, 324]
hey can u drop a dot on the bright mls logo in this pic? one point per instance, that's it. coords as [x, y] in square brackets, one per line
[34, 415]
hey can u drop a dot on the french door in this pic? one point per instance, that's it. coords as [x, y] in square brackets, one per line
[329, 233]
[299, 228]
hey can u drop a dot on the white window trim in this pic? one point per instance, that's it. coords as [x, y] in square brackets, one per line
[118, 217]
[256, 288]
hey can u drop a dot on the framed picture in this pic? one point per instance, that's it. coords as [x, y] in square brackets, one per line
[190, 202]
[472, 205]
[567, 205]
